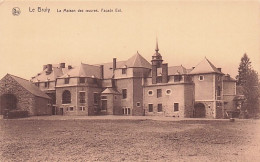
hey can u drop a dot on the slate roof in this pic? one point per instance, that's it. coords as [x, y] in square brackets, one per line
[84, 70]
[227, 78]
[110, 91]
[55, 73]
[205, 66]
[108, 71]
[29, 86]
[137, 60]
[175, 70]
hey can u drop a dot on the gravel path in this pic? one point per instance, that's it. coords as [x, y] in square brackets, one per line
[60, 139]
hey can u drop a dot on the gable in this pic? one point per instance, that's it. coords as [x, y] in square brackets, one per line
[204, 67]
[23, 83]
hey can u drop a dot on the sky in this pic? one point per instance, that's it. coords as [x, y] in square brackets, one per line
[187, 32]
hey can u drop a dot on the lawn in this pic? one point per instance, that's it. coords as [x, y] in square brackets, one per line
[129, 140]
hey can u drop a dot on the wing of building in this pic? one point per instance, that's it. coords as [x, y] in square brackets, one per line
[139, 87]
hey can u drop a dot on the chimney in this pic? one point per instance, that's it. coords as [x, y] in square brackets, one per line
[165, 73]
[62, 65]
[69, 67]
[102, 71]
[114, 63]
[154, 74]
[44, 67]
[49, 69]
[219, 69]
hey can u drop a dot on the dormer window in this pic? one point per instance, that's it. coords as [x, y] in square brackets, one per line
[46, 84]
[66, 80]
[177, 78]
[81, 80]
[124, 71]
[201, 77]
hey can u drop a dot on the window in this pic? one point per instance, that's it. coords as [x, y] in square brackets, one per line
[82, 97]
[138, 104]
[81, 80]
[82, 108]
[177, 78]
[96, 98]
[66, 80]
[46, 84]
[201, 77]
[103, 97]
[66, 97]
[159, 79]
[124, 71]
[150, 107]
[168, 92]
[94, 80]
[159, 93]
[71, 108]
[126, 111]
[218, 104]
[218, 91]
[176, 106]
[124, 92]
[159, 107]
[150, 93]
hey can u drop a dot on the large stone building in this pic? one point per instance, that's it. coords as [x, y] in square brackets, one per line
[137, 87]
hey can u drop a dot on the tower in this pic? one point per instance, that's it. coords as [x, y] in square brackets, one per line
[157, 58]
[157, 62]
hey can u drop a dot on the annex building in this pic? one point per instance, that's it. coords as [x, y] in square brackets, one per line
[19, 94]
[139, 87]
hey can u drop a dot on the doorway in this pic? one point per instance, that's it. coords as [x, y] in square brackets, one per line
[200, 111]
[8, 101]
[61, 111]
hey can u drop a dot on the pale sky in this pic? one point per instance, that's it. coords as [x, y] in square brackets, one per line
[187, 32]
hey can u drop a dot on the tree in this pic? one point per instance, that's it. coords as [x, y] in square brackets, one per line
[248, 79]
[243, 70]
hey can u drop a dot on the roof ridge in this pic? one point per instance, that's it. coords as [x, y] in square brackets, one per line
[30, 84]
[17, 77]
[89, 64]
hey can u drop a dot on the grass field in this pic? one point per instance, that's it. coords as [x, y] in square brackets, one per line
[129, 140]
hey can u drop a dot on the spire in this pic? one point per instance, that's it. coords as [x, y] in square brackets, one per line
[156, 48]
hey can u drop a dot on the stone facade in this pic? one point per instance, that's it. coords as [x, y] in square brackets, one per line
[23, 98]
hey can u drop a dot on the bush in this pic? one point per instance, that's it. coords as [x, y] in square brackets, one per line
[15, 114]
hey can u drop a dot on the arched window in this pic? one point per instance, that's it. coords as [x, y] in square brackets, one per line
[66, 97]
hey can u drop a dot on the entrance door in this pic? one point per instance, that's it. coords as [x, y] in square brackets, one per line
[53, 110]
[61, 111]
[200, 111]
[8, 101]
[104, 105]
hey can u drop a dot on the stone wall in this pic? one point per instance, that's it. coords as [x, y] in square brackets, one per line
[42, 106]
[25, 100]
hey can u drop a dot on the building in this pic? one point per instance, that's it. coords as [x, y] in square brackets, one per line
[138, 87]
[20, 94]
